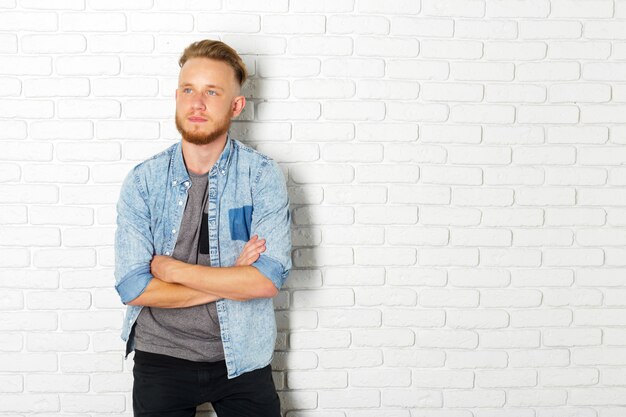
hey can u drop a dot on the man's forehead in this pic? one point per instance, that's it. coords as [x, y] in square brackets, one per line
[195, 68]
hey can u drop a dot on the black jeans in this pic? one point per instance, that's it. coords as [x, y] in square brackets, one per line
[173, 387]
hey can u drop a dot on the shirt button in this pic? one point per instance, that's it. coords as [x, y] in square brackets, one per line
[173, 231]
[180, 203]
[167, 253]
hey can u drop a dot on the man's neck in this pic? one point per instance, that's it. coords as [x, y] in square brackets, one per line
[199, 159]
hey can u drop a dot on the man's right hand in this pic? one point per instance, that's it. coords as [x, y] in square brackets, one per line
[251, 251]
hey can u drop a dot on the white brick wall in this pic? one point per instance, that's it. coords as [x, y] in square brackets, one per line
[455, 172]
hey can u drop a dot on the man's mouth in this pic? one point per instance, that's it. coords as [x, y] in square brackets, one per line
[197, 119]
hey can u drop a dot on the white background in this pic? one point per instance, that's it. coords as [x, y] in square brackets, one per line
[456, 175]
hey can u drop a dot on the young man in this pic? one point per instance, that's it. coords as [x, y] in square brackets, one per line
[202, 245]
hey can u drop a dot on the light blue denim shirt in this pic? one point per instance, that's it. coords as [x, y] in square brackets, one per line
[247, 196]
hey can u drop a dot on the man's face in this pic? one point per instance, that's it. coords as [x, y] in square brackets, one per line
[206, 99]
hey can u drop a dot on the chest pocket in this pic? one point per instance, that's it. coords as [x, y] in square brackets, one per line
[240, 222]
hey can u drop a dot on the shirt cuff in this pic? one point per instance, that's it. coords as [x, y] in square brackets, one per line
[271, 268]
[134, 283]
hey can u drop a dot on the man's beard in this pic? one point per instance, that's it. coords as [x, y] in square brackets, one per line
[200, 138]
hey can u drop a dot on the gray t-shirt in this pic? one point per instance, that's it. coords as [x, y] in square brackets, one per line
[191, 333]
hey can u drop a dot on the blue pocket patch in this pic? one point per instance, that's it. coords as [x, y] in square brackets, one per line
[240, 220]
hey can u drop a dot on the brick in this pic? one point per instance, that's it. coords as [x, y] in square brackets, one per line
[74, 152]
[537, 398]
[87, 65]
[413, 276]
[427, 318]
[323, 215]
[317, 379]
[111, 43]
[419, 236]
[382, 337]
[54, 87]
[453, 8]
[476, 359]
[289, 111]
[451, 49]
[418, 112]
[545, 155]
[573, 257]
[383, 173]
[411, 397]
[539, 358]
[448, 298]
[543, 237]
[323, 298]
[581, 8]
[384, 256]
[477, 319]
[327, 132]
[446, 338]
[328, 257]
[451, 175]
[8, 43]
[56, 342]
[513, 176]
[541, 318]
[340, 194]
[386, 215]
[338, 152]
[497, 93]
[518, 8]
[30, 402]
[419, 194]
[46, 44]
[252, 6]
[349, 319]
[380, 378]
[474, 398]
[320, 45]
[472, 277]
[353, 358]
[354, 275]
[26, 109]
[572, 337]
[568, 377]
[29, 21]
[307, 174]
[482, 197]
[482, 71]
[105, 87]
[360, 25]
[92, 22]
[11, 383]
[353, 398]
[386, 297]
[256, 131]
[506, 379]
[13, 215]
[23, 278]
[480, 237]
[578, 135]
[579, 50]
[510, 339]
[350, 110]
[383, 132]
[573, 297]
[29, 194]
[322, 6]
[402, 152]
[299, 24]
[418, 69]
[422, 27]
[29, 236]
[258, 45]
[477, 29]
[67, 129]
[452, 92]
[323, 88]
[550, 71]
[319, 339]
[386, 47]
[513, 135]
[545, 196]
[509, 298]
[93, 402]
[354, 67]
[293, 153]
[450, 134]
[549, 30]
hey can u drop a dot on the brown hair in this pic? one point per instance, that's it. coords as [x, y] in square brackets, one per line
[218, 51]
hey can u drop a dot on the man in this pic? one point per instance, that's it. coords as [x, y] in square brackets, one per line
[202, 245]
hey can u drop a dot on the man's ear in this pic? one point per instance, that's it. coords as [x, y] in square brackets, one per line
[238, 104]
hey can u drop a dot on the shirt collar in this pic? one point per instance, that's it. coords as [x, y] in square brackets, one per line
[179, 171]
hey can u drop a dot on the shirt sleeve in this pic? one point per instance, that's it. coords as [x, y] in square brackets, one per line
[271, 221]
[134, 246]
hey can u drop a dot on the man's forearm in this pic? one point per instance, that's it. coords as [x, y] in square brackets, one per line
[234, 282]
[169, 295]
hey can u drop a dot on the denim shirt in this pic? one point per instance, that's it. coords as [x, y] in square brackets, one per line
[247, 195]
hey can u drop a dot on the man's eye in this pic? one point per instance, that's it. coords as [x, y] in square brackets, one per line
[186, 90]
[211, 93]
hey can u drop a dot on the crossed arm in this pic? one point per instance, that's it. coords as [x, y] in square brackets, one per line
[179, 284]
